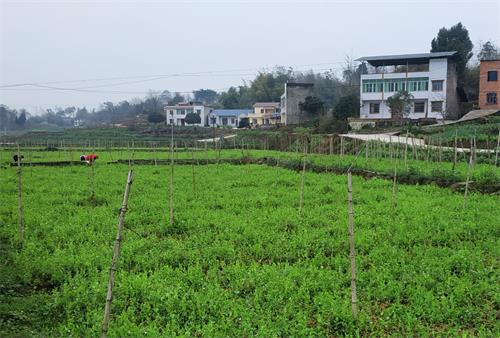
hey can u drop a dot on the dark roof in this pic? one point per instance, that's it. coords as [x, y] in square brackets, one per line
[403, 58]
[231, 112]
[299, 84]
[267, 104]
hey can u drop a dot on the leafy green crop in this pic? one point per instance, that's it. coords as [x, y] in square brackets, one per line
[239, 260]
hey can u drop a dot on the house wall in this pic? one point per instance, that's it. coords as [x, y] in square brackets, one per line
[179, 117]
[486, 86]
[257, 117]
[438, 70]
[295, 94]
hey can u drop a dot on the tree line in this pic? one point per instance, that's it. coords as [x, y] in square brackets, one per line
[336, 97]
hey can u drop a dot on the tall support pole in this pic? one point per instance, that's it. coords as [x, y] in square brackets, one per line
[455, 150]
[469, 170]
[171, 190]
[193, 172]
[352, 250]
[302, 178]
[341, 146]
[20, 196]
[116, 254]
[496, 149]
[406, 150]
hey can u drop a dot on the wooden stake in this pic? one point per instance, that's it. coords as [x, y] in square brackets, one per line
[341, 146]
[496, 149]
[352, 250]
[194, 174]
[20, 196]
[171, 190]
[406, 150]
[395, 186]
[301, 202]
[455, 151]
[469, 169]
[116, 253]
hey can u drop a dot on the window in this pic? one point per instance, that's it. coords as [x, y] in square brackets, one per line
[437, 106]
[374, 108]
[262, 111]
[437, 86]
[232, 120]
[491, 98]
[198, 111]
[372, 86]
[224, 121]
[492, 75]
[171, 112]
[419, 107]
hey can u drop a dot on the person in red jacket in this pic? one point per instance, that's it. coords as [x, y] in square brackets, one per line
[90, 158]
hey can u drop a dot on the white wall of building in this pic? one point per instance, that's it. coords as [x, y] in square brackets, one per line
[178, 114]
[437, 71]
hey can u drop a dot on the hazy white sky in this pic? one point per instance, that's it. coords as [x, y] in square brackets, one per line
[46, 41]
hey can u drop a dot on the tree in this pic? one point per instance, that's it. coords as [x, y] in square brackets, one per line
[347, 106]
[488, 51]
[311, 105]
[192, 118]
[207, 96]
[156, 118]
[21, 119]
[399, 104]
[152, 104]
[244, 123]
[178, 98]
[231, 99]
[454, 39]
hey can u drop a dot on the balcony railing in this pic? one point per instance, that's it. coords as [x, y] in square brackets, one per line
[410, 68]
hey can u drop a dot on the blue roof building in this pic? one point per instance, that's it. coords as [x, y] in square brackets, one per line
[228, 117]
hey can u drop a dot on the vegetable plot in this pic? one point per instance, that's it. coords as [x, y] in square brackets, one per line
[240, 259]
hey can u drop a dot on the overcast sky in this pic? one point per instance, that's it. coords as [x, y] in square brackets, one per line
[51, 41]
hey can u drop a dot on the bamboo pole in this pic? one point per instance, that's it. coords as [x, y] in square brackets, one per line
[455, 150]
[341, 146]
[302, 178]
[469, 170]
[194, 173]
[352, 250]
[154, 155]
[474, 152]
[116, 253]
[171, 190]
[20, 196]
[496, 149]
[440, 151]
[406, 150]
[395, 186]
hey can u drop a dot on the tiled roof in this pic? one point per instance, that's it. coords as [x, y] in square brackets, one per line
[231, 112]
[267, 104]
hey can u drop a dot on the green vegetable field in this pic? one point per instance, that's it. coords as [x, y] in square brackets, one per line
[240, 260]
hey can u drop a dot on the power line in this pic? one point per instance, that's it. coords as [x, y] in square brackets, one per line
[153, 77]
[91, 89]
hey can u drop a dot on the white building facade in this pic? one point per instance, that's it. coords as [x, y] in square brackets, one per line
[176, 114]
[228, 117]
[430, 78]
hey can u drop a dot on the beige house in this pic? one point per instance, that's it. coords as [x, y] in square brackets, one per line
[265, 113]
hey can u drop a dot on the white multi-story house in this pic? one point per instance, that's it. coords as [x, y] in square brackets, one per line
[431, 78]
[176, 114]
